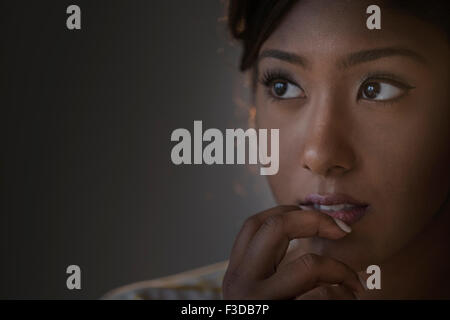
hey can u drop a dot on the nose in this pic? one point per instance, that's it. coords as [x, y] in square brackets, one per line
[327, 149]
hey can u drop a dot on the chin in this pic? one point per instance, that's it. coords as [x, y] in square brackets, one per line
[349, 251]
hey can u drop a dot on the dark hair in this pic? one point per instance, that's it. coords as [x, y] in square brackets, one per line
[252, 21]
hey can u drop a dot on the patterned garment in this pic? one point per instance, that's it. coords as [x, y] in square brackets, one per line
[199, 284]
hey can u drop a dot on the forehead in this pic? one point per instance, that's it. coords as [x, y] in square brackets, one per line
[315, 27]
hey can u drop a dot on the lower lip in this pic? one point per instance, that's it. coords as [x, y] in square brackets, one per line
[349, 216]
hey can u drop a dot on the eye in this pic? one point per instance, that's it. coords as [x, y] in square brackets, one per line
[380, 91]
[283, 89]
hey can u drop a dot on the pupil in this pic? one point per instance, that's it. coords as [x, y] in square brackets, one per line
[280, 88]
[372, 90]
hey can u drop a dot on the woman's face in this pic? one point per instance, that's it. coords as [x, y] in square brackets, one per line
[363, 113]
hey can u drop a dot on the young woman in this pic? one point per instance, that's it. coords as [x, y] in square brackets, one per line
[363, 116]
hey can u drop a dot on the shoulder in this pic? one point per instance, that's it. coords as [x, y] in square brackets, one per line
[200, 283]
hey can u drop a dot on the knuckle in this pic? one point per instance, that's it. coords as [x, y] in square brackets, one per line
[231, 276]
[309, 261]
[273, 222]
[229, 284]
[324, 292]
[250, 223]
[234, 287]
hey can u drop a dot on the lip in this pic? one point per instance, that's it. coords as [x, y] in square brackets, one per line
[354, 210]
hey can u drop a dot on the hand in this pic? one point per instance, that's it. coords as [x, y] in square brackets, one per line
[254, 270]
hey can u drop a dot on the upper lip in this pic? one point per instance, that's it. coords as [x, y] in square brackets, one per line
[330, 199]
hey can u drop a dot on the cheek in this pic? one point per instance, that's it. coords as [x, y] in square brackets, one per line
[428, 154]
[407, 164]
[267, 120]
[287, 184]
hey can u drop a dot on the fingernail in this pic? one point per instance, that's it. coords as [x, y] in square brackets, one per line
[345, 227]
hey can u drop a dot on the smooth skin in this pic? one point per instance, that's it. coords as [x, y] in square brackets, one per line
[387, 147]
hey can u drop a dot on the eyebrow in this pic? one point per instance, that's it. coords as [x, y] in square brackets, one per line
[378, 53]
[350, 60]
[284, 56]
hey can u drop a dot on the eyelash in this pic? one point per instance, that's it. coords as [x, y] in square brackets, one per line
[270, 76]
[385, 77]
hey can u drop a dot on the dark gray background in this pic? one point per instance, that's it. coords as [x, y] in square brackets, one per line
[86, 120]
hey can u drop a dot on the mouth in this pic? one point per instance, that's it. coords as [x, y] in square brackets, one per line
[338, 206]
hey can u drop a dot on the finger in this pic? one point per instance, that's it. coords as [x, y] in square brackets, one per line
[269, 244]
[249, 228]
[333, 292]
[308, 272]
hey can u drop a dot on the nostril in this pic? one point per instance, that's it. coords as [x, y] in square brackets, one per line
[336, 170]
[326, 171]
